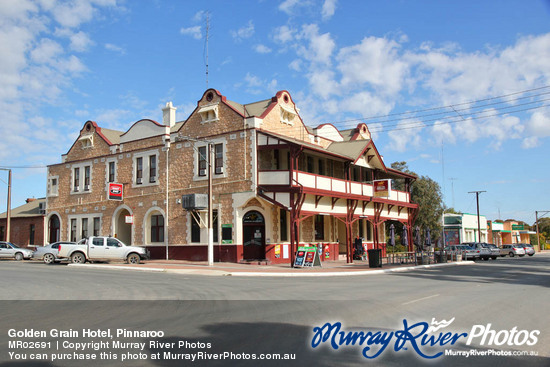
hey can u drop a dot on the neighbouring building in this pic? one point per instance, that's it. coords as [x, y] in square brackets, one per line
[276, 184]
[510, 232]
[27, 224]
[460, 228]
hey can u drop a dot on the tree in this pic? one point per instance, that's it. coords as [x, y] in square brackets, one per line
[427, 194]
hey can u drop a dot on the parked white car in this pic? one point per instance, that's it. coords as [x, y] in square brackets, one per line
[49, 253]
[512, 250]
[104, 249]
[11, 250]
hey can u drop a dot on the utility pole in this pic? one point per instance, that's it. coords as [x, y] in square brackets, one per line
[544, 212]
[210, 164]
[8, 211]
[478, 223]
[210, 211]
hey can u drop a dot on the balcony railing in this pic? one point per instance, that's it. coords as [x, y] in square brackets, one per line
[325, 183]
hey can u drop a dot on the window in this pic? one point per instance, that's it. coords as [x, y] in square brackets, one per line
[112, 242]
[215, 224]
[97, 226]
[321, 167]
[73, 230]
[139, 170]
[195, 230]
[76, 179]
[276, 159]
[319, 227]
[31, 234]
[152, 168]
[112, 172]
[209, 113]
[283, 225]
[218, 159]
[310, 164]
[84, 227]
[53, 188]
[2, 234]
[87, 178]
[202, 161]
[157, 228]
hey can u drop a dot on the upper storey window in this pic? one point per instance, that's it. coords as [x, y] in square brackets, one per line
[209, 113]
[287, 115]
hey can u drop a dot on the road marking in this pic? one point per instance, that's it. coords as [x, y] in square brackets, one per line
[420, 299]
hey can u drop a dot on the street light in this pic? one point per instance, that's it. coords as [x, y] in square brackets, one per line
[8, 212]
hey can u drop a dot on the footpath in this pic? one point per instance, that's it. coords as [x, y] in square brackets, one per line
[327, 269]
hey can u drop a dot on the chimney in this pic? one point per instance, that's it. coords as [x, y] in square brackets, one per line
[30, 200]
[169, 115]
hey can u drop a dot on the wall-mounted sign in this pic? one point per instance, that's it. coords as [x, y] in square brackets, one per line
[129, 219]
[115, 191]
[382, 188]
[518, 227]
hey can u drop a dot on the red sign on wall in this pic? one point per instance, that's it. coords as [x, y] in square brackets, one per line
[115, 191]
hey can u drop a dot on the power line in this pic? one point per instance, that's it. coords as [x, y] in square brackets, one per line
[448, 106]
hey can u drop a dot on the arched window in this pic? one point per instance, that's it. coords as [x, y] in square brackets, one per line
[157, 228]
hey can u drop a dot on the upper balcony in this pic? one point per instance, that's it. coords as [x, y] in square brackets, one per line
[324, 185]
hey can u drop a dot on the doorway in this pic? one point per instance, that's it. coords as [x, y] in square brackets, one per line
[54, 225]
[253, 236]
[123, 230]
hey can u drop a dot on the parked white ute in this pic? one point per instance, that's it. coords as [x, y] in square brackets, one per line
[101, 248]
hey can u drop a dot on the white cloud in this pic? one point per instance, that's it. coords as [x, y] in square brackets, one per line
[403, 138]
[329, 7]
[46, 52]
[283, 34]
[262, 49]
[115, 48]
[320, 47]
[287, 6]
[80, 42]
[244, 32]
[195, 32]
[376, 63]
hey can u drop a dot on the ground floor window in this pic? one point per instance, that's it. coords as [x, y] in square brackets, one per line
[283, 225]
[31, 234]
[319, 227]
[195, 230]
[157, 228]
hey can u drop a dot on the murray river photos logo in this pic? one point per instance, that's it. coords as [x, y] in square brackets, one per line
[427, 340]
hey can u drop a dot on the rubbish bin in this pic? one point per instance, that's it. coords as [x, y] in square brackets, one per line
[375, 258]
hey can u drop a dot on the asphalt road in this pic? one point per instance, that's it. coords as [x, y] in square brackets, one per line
[278, 315]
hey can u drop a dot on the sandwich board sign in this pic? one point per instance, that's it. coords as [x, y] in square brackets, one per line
[306, 257]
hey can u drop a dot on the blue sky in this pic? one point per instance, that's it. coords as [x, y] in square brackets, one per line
[464, 83]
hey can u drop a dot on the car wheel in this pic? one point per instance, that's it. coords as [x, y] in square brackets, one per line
[49, 258]
[531, 254]
[486, 259]
[511, 254]
[133, 259]
[78, 258]
[18, 256]
[494, 257]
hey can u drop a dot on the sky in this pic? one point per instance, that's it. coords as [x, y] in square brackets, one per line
[459, 90]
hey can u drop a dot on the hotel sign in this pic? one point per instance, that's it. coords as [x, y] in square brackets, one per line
[115, 191]
[382, 188]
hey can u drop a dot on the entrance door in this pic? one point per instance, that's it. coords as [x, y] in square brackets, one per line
[54, 229]
[253, 236]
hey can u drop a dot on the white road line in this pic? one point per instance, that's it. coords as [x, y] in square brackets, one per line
[420, 299]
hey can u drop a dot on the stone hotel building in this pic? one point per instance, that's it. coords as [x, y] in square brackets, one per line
[276, 184]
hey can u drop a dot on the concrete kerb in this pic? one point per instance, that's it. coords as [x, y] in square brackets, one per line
[214, 272]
